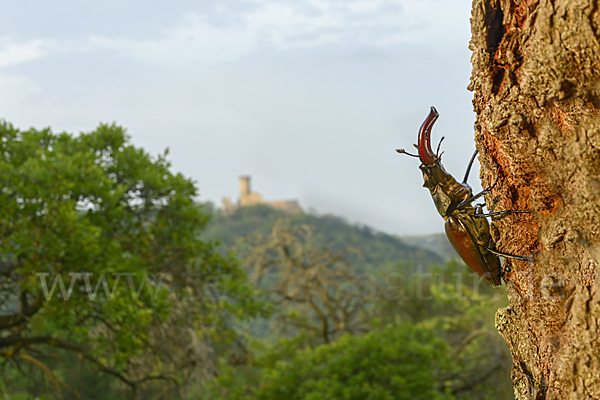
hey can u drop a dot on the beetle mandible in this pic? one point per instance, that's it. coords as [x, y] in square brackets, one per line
[466, 227]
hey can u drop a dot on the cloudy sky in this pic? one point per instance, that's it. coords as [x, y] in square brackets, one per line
[309, 97]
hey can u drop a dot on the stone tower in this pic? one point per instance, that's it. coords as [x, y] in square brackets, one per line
[244, 185]
[247, 196]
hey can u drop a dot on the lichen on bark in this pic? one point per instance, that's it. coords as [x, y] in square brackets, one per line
[536, 84]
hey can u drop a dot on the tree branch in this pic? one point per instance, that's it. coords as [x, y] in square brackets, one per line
[26, 311]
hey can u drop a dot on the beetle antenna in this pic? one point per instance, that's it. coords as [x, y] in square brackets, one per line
[402, 151]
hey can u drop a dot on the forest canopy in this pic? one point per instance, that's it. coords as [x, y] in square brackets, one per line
[116, 283]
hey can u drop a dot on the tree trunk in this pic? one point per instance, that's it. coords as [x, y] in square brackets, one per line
[536, 84]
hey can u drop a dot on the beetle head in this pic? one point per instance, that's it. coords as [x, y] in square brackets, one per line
[436, 179]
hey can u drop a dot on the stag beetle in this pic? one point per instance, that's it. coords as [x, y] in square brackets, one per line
[466, 226]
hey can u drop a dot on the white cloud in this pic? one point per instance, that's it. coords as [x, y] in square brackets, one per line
[194, 40]
[364, 6]
[14, 53]
[233, 29]
[288, 26]
[206, 39]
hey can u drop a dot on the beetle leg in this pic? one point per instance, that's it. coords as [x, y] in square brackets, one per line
[471, 199]
[492, 214]
[469, 166]
[508, 255]
[485, 191]
[479, 214]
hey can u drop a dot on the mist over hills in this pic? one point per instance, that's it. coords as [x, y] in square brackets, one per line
[436, 242]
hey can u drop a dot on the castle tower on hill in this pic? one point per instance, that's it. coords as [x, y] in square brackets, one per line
[244, 185]
[249, 198]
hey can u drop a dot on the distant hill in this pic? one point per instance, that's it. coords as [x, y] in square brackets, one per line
[378, 249]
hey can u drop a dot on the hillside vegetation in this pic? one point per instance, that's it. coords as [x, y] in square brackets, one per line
[373, 249]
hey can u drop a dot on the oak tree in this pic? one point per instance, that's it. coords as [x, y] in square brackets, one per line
[100, 256]
[313, 288]
[536, 74]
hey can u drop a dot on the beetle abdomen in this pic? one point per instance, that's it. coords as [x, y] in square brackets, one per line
[472, 250]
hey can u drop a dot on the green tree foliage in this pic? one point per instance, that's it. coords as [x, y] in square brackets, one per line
[402, 361]
[398, 362]
[460, 307]
[100, 256]
[319, 292]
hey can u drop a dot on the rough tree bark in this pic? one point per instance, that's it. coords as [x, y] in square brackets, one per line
[536, 84]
